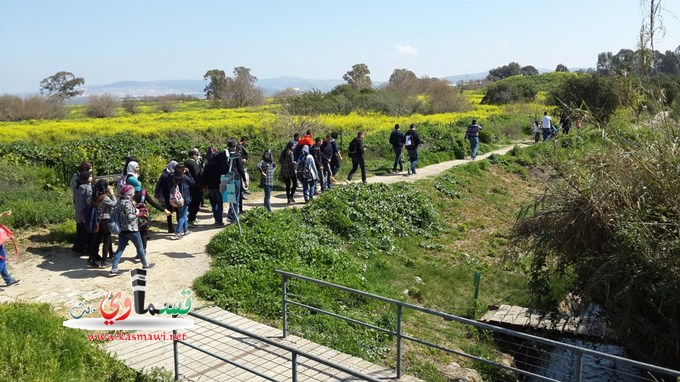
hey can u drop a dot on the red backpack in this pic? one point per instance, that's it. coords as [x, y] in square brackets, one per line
[6, 235]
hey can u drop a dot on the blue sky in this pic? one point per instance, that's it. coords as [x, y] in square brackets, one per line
[142, 40]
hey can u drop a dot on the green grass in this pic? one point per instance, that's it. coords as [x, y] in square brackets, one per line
[37, 347]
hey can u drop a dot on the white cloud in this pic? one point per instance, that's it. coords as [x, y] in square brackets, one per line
[403, 49]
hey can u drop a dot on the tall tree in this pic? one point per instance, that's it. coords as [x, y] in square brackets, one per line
[216, 88]
[61, 85]
[505, 71]
[358, 77]
[605, 64]
[561, 68]
[403, 81]
[242, 91]
[528, 71]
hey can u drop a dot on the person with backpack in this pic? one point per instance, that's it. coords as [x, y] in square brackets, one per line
[326, 159]
[162, 191]
[80, 243]
[287, 174]
[356, 152]
[196, 174]
[9, 281]
[217, 165]
[411, 143]
[126, 215]
[82, 194]
[239, 174]
[141, 198]
[266, 166]
[337, 155]
[472, 133]
[183, 181]
[103, 201]
[397, 142]
[307, 174]
[315, 152]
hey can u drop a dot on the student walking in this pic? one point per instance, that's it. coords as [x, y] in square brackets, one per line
[472, 134]
[307, 174]
[356, 152]
[9, 281]
[266, 166]
[184, 181]
[411, 143]
[287, 174]
[397, 142]
[546, 126]
[104, 201]
[129, 230]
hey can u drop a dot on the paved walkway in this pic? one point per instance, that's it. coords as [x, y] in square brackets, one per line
[264, 358]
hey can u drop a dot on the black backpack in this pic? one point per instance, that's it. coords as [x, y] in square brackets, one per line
[352, 150]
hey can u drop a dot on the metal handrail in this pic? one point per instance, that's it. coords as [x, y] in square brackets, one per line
[449, 317]
[294, 353]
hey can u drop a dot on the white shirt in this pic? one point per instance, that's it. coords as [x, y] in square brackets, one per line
[546, 122]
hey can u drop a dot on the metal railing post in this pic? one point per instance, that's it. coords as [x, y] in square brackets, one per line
[284, 282]
[398, 341]
[293, 366]
[578, 366]
[174, 353]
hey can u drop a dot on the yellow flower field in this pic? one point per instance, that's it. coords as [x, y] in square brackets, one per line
[232, 122]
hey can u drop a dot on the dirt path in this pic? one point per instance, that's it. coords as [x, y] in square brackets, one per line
[59, 277]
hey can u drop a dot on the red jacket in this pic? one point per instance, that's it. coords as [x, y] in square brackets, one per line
[306, 140]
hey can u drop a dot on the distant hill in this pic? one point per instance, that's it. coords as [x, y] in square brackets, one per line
[195, 87]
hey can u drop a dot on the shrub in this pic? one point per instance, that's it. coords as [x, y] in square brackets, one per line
[39, 348]
[593, 93]
[101, 106]
[130, 105]
[329, 239]
[610, 218]
[13, 108]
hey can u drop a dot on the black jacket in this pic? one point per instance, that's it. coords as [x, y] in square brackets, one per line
[358, 145]
[397, 139]
[415, 140]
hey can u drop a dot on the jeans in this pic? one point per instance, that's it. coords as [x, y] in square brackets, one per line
[182, 220]
[267, 197]
[358, 162]
[308, 188]
[217, 204]
[234, 207]
[397, 159]
[474, 142]
[3, 266]
[321, 182]
[413, 158]
[327, 174]
[123, 239]
[546, 134]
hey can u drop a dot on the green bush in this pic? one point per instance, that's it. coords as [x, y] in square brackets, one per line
[330, 239]
[37, 347]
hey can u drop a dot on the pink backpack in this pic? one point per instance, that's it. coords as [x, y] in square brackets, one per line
[6, 235]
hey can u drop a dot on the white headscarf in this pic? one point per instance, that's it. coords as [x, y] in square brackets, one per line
[133, 168]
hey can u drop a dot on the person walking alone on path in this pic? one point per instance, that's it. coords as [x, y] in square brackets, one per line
[546, 126]
[266, 166]
[411, 142]
[472, 133]
[397, 142]
[356, 152]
